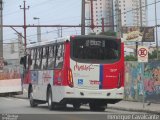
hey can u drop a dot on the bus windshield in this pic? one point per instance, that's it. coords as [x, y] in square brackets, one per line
[99, 49]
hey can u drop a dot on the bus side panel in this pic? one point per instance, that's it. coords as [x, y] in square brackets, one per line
[27, 77]
[113, 76]
[66, 65]
[58, 77]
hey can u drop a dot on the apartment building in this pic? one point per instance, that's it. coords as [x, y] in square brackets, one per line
[101, 9]
[131, 13]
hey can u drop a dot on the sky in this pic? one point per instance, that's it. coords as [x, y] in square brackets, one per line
[51, 12]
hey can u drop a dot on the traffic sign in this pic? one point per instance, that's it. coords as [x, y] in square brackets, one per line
[142, 54]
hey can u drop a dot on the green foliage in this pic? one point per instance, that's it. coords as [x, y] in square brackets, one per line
[130, 58]
[108, 33]
[153, 55]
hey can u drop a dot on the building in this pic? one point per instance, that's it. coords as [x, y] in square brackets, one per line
[102, 9]
[131, 14]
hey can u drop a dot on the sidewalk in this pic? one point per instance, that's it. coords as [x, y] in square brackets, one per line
[136, 106]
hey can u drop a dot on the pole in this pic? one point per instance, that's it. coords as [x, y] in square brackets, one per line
[24, 10]
[142, 77]
[61, 32]
[156, 28]
[1, 28]
[119, 23]
[83, 18]
[103, 25]
[92, 20]
[140, 3]
[39, 34]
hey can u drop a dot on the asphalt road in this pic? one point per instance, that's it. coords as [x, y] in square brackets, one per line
[19, 109]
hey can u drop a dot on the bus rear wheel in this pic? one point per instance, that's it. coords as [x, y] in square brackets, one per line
[31, 100]
[76, 106]
[94, 107]
[51, 104]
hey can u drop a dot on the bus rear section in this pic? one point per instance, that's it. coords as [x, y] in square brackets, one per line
[96, 74]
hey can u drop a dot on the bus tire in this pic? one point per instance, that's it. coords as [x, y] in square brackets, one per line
[31, 100]
[76, 106]
[51, 104]
[94, 107]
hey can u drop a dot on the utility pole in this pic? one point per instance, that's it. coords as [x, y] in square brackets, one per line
[103, 25]
[156, 29]
[24, 10]
[92, 20]
[140, 4]
[61, 32]
[1, 28]
[119, 23]
[83, 18]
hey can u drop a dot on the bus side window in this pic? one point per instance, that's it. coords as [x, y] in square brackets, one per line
[29, 61]
[51, 57]
[59, 56]
[45, 58]
[41, 57]
[35, 59]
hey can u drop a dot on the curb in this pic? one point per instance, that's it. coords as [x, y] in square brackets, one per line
[135, 110]
[21, 97]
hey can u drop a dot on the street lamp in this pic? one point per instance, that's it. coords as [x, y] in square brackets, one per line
[38, 29]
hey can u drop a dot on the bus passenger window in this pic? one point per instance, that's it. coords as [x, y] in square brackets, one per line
[51, 57]
[59, 57]
[32, 58]
[39, 58]
[36, 57]
[45, 58]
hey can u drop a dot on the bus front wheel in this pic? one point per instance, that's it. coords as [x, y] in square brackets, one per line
[51, 104]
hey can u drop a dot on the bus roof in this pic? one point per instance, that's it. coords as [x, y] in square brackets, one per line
[49, 42]
[63, 39]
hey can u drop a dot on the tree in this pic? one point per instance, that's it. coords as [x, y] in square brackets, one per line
[108, 33]
[130, 58]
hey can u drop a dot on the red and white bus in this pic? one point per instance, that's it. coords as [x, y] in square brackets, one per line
[76, 70]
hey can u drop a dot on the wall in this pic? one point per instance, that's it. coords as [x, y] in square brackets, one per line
[134, 84]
